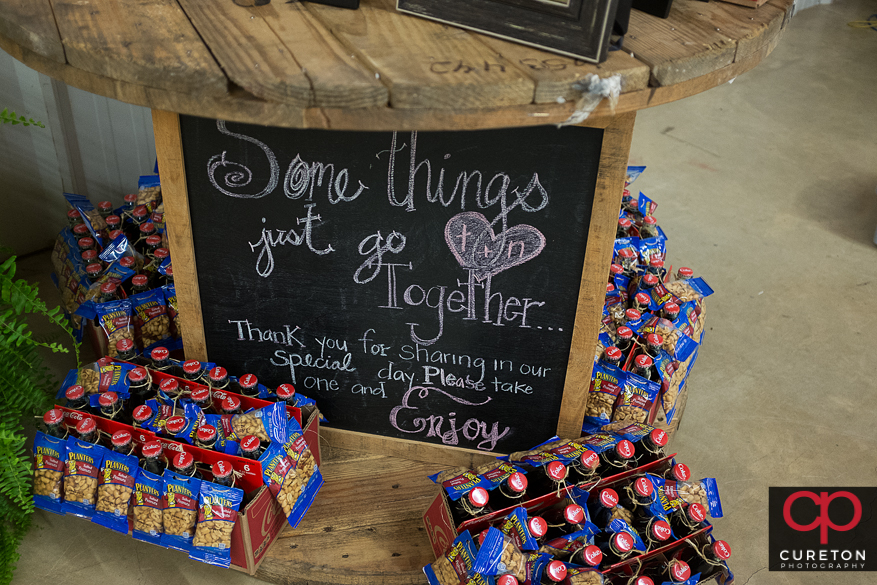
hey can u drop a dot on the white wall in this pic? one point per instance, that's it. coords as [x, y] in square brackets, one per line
[91, 145]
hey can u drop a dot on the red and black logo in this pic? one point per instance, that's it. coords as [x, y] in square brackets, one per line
[823, 529]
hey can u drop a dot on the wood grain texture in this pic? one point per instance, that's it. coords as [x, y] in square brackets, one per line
[598, 255]
[169, 149]
[756, 29]
[31, 24]
[555, 74]
[149, 42]
[411, 450]
[684, 46]
[426, 64]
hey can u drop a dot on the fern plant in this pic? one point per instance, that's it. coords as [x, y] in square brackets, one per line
[26, 389]
[7, 117]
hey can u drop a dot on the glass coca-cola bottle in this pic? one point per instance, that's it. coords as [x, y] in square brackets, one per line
[205, 437]
[122, 442]
[54, 423]
[76, 399]
[510, 492]
[152, 460]
[223, 474]
[201, 398]
[601, 508]
[612, 356]
[644, 367]
[620, 456]
[141, 415]
[624, 340]
[125, 350]
[251, 447]
[86, 430]
[249, 385]
[641, 302]
[670, 311]
[563, 519]
[675, 571]
[218, 378]
[615, 546]
[654, 343]
[472, 504]
[231, 405]
[184, 464]
[711, 559]
[684, 273]
[585, 466]
[677, 472]
[686, 520]
[554, 572]
[655, 531]
[649, 228]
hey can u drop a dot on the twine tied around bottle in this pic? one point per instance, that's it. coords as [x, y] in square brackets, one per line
[701, 554]
[633, 577]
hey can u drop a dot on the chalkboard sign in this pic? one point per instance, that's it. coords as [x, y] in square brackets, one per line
[418, 285]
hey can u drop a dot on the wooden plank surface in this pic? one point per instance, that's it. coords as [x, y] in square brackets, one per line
[426, 64]
[684, 46]
[31, 24]
[598, 255]
[169, 149]
[555, 74]
[149, 42]
[754, 29]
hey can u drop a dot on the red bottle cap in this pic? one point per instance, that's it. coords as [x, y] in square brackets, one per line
[104, 362]
[183, 460]
[625, 223]
[650, 279]
[643, 361]
[124, 345]
[248, 381]
[175, 424]
[658, 437]
[137, 375]
[94, 268]
[80, 229]
[85, 426]
[623, 542]
[285, 391]
[74, 392]
[105, 205]
[609, 498]
[556, 571]
[140, 211]
[130, 198]
[671, 308]
[206, 433]
[113, 220]
[200, 395]
[108, 399]
[218, 374]
[89, 257]
[650, 219]
[660, 530]
[108, 288]
[685, 272]
[624, 449]
[642, 299]
[192, 367]
[139, 280]
[73, 214]
[153, 241]
[161, 253]
[121, 438]
[159, 354]
[644, 581]
[169, 271]
[643, 487]
[556, 470]
[507, 580]
[250, 444]
[696, 512]
[221, 469]
[152, 449]
[593, 555]
[169, 386]
[538, 527]
[624, 333]
[142, 414]
[518, 482]
[613, 353]
[147, 227]
[54, 416]
[589, 459]
[609, 286]
[574, 514]
[478, 497]
[722, 550]
[679, 570]
[127, 261]
[616, 269]
[655, 339]
[633, 315]
[627, 253]
[231, 403]
[681, 472]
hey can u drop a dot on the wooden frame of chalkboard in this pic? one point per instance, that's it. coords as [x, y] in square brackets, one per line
[611, 172]
[575, 28]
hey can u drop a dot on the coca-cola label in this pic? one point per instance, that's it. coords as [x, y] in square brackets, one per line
[556, 570]
[53, 416]
[681, 472]
[593, 555]
[658, 437]
[537, 526]
[679, 570]
[518, 482]
[644, 581]
[696, 512]
[721, 550]
[153, 448]
[609, 498]
[574, 514]
[556, 470]
[625, 449]
[643, 487]
[661, 530]
[248, 381]
[589, 459]
[623, 542]
[478, 497]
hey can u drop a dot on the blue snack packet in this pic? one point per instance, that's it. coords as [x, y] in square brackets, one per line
[224, 443]
[179, 504]
[607, 383]
[456, 565]
[456, 484]
[49, 457]
[115, 486]
[146, 511]
[690, 289]
[291, 474]
[636, 399]
[114, 318]
[268, 423]
[619, 525]
[633, 173]
[497, 472]
[83, 461]
[217, 513]
[645, 205]
[151, 321]
[90, 217]
[499, 555]
[518, 527]
[119, 248]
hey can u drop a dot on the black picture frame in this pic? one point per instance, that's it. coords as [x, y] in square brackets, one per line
[579, 28]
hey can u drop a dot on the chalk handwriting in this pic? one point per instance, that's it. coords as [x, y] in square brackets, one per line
[238, 176]
[267, 241]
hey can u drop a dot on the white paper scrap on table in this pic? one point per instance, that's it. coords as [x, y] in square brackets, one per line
[593, 89]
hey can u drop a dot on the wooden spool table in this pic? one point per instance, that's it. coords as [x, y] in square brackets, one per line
[311, 66]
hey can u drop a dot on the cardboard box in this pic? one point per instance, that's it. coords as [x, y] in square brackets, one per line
[441, 529]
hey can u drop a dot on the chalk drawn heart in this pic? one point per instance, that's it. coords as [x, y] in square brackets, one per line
[477, 248]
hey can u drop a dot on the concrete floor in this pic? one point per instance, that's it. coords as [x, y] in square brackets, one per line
[766, 188]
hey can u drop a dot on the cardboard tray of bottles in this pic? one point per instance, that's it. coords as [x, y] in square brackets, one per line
[442, 529]
[260, 519]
